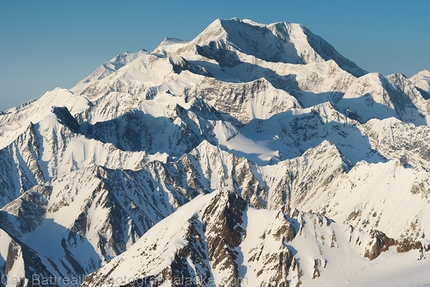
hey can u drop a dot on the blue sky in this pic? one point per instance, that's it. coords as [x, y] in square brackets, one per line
[50, 43]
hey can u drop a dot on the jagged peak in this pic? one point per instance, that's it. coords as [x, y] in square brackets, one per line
[277, 42]
[231, 25]
[221, 199]
[397, 76]
[330, 151]
[325, 146]
[205, 147]
[214, 32]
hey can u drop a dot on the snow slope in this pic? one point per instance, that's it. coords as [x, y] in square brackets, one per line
[252, 154]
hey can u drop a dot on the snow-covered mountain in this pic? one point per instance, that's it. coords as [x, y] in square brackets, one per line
[252, 155]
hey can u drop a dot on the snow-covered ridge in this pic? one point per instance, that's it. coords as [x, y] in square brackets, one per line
[253, 151]
[277, 42]
[422, 80]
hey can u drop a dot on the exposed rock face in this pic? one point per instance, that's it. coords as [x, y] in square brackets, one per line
[225, 234]
[253, 155]
[380, 243]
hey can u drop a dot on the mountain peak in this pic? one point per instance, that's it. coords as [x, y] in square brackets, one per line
[253, 151]
[277, 42]
[424, 73]
[422, 80]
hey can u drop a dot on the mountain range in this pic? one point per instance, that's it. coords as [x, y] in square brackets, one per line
[252, 155]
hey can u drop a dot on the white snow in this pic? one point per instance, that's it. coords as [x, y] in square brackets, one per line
[390, 269]
[167, 236]
[349, 145]
[422, 80]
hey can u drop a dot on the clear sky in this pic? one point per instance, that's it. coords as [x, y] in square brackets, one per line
[51, 43]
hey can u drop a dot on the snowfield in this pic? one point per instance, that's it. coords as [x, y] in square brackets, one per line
[252, 155]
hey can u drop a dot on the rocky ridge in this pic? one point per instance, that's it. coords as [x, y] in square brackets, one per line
[251, 154]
